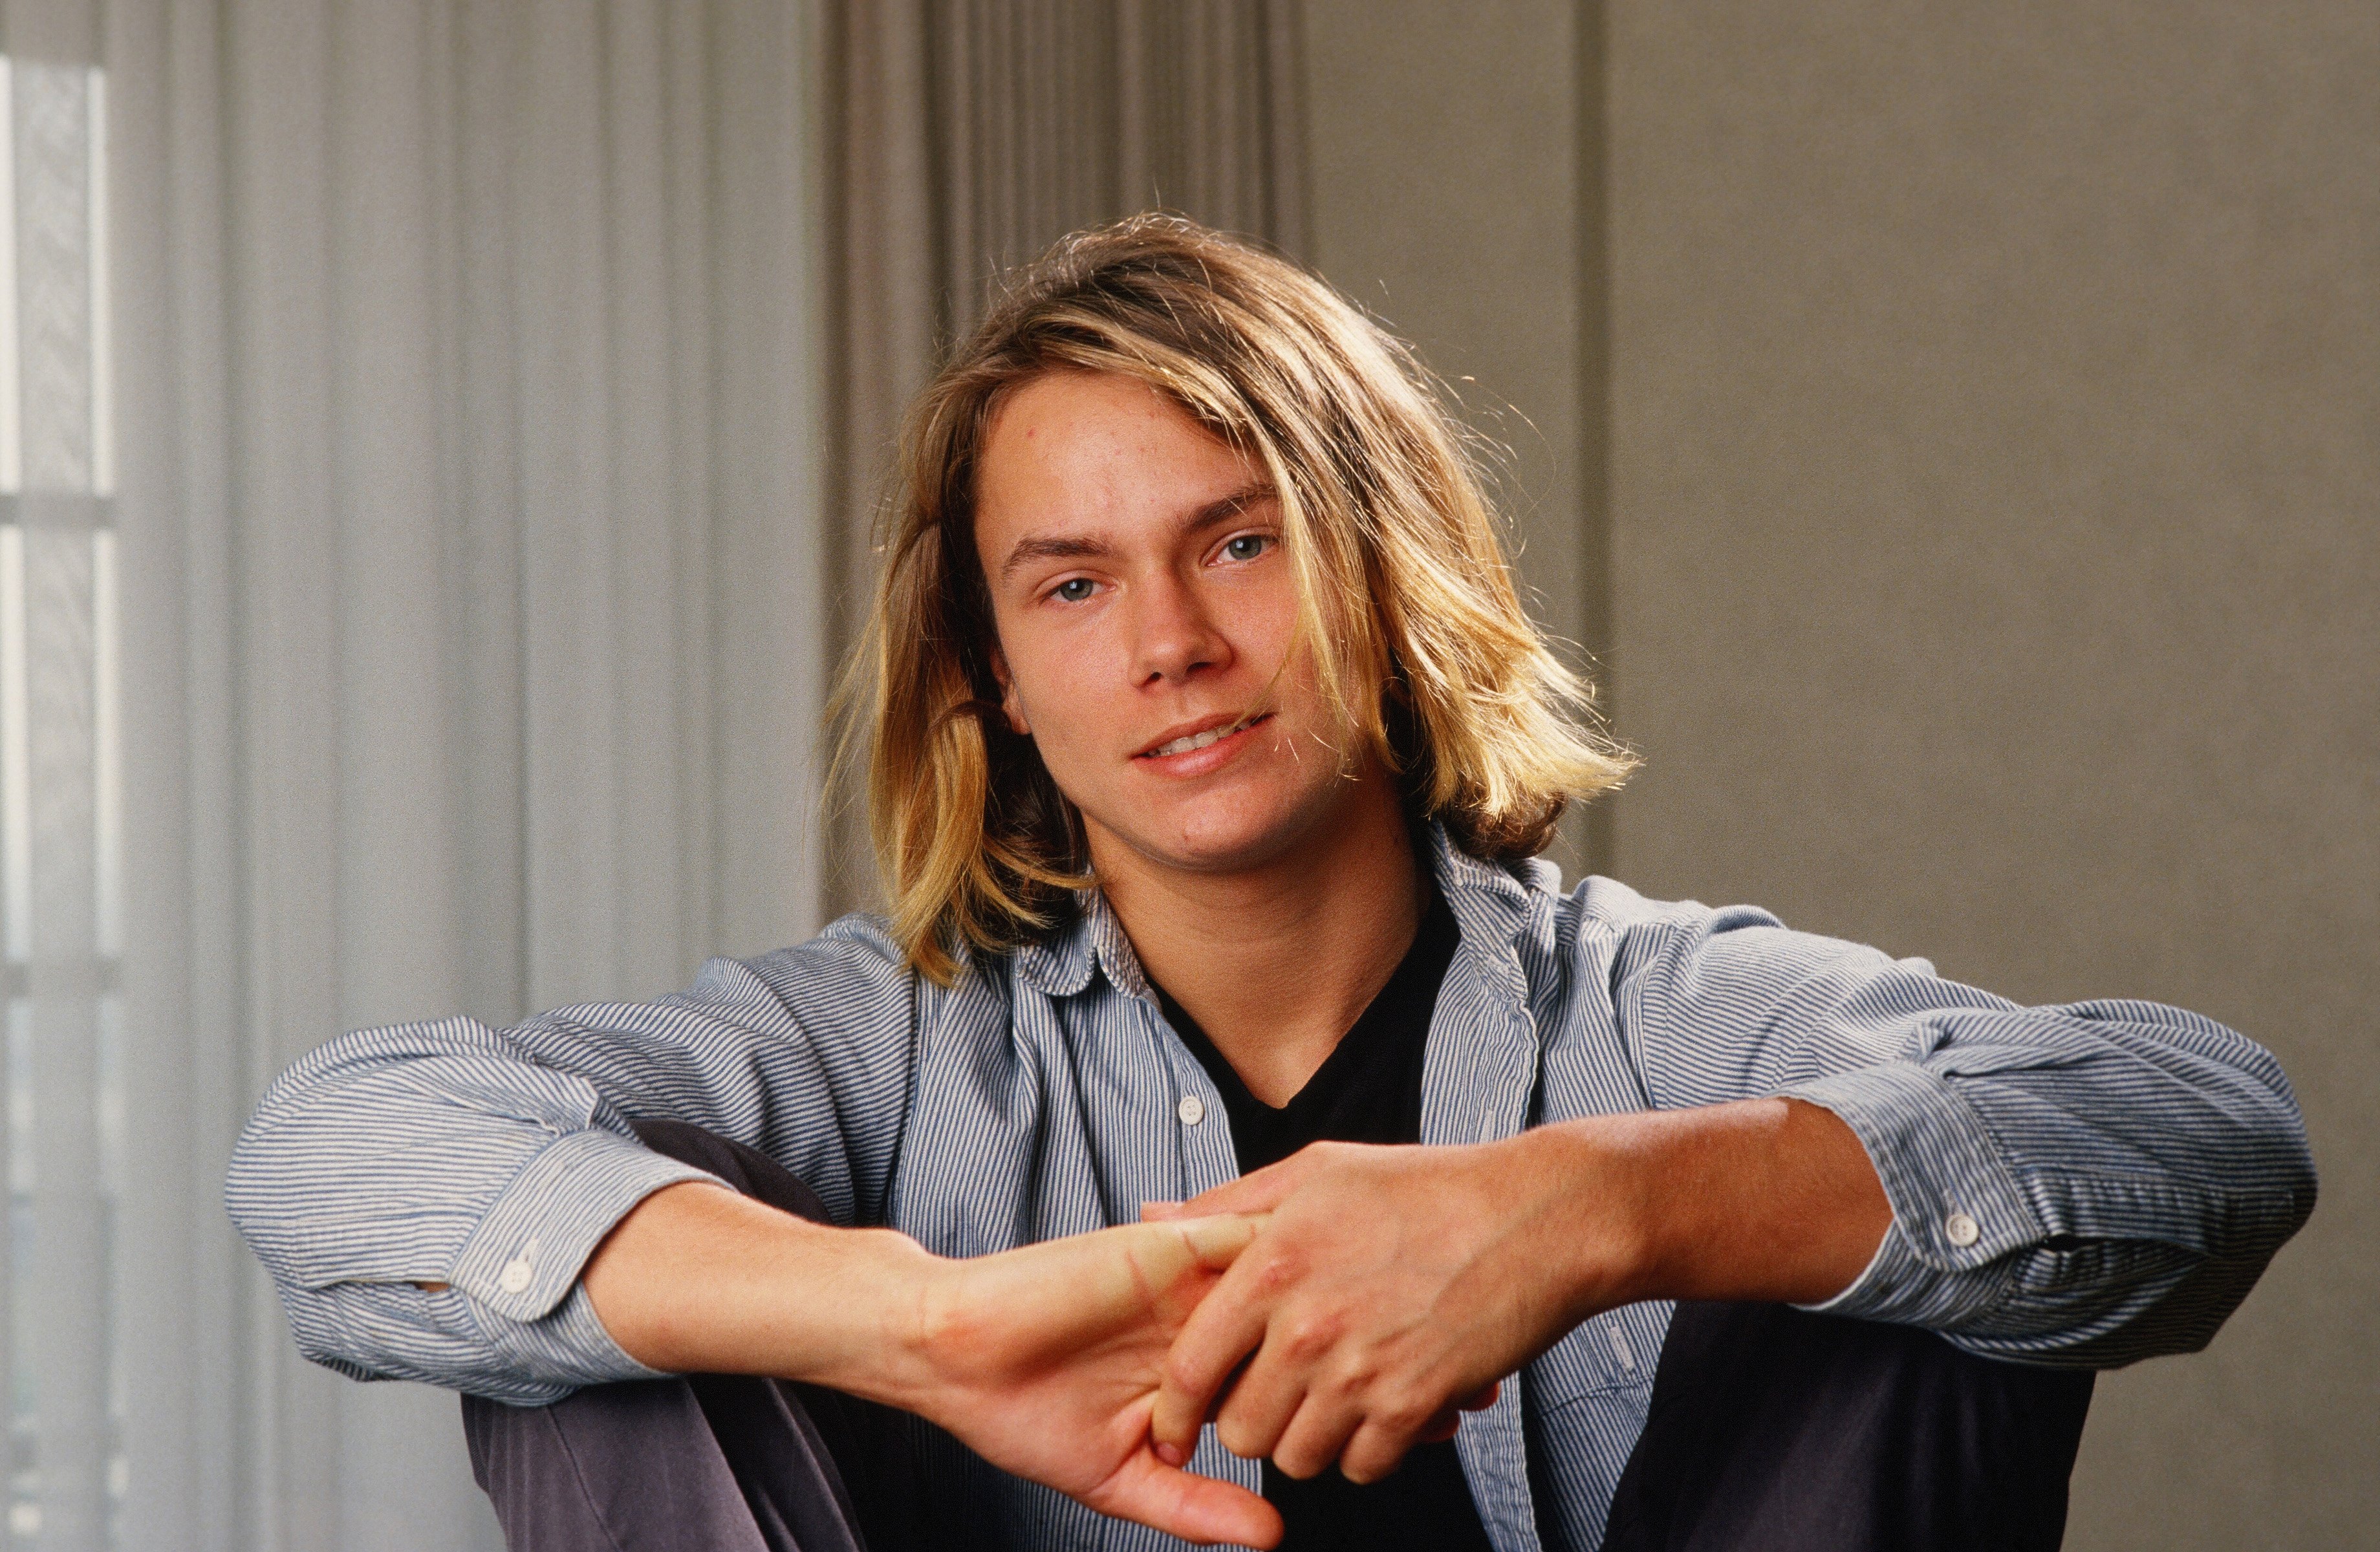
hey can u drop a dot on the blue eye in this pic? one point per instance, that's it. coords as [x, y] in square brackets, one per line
[1246, 547]
[1074, 590]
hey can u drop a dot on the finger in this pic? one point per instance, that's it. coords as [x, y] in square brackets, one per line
[1191, 1253]
[1480, 1401]
[1440, 1428]
[1160, 1212]
[1225, 1327]
[1310, 1445]
[1376, 1450]
[1256, 1409]
[1200, 1509]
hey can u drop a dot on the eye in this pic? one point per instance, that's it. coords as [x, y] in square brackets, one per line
[1074, 590]
[1246, 547]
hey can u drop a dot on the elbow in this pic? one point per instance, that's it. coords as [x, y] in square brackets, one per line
[2278, 1156]
[243, 1192]
[2249, 1152]
[256, 1197]
[2188, 1317]
[2258, 1200]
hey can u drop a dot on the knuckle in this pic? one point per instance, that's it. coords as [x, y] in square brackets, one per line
[1311, 1334]
[1340, 1158]
[1400, 1411]
[1278, 1271]
[1357, 1373]
[1183, 1372]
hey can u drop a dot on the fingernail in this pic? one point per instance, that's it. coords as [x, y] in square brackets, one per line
[1170, 1454]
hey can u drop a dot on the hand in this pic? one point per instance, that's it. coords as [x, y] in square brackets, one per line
[1389, 1282]
[1388, 1287]
[1046, 1360]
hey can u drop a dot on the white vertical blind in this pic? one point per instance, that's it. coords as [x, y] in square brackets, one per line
[59, 843]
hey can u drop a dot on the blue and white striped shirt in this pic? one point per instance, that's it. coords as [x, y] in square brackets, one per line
[2085, 1184]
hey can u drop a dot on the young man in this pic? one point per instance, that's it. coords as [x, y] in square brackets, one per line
[1211, 749]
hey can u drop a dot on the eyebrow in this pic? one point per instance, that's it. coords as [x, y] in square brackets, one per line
[1073, 547]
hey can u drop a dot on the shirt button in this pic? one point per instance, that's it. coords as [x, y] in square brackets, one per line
[1192, 1109]
[515, 1278]
[1961, 1230]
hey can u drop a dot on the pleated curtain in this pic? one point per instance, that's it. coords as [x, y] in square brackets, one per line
[439, 441]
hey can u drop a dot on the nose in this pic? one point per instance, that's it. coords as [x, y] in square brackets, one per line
[1174, 636]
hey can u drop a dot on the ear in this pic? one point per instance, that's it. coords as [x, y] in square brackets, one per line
[1010, 706]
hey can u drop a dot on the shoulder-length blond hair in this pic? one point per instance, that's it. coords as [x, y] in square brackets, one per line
[1419, 639]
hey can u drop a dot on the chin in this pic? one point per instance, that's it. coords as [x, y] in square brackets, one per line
[1226, 837]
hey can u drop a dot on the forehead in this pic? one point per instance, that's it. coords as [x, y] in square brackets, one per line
[1072, 447]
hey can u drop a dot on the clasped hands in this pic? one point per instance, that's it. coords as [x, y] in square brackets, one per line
[1341, 1306]
[1336, 1308]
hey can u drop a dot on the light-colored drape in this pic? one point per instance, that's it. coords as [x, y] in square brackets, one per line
[964, 135]
[431, 516]
[468, 636]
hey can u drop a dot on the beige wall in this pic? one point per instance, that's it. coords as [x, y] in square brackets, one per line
[1994, 524]
[1442, 148]
[1441, 175]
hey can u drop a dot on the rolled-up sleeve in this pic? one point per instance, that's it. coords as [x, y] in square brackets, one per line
[488, 1164]
[2086, 1184]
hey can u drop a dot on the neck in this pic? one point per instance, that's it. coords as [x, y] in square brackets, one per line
[1277, 960]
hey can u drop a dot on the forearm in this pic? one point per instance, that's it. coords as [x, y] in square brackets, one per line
[1040, 1359]
[2089, 1183]
[1759, 1199]
[700, 1279]
[425, 1195]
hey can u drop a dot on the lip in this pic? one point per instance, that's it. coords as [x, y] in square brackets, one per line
[1192, 762]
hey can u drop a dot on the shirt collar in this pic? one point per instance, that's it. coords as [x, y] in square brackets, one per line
[1490, 901]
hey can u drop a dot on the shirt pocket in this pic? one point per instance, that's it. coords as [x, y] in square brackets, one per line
[1613, 1351]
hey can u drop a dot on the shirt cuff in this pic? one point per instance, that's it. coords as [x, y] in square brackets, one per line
[1957, 1208]
[560, 1353]
[529, 1247]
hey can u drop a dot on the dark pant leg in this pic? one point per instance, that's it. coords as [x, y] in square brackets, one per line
[1772, 1429]
[714, 1462]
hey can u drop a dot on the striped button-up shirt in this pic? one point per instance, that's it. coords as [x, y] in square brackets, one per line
[2083, 1184]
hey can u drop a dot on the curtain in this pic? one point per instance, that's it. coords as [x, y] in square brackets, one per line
[438, 446]
[411, 606]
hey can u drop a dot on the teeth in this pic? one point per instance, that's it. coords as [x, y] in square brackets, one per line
[1196, 740]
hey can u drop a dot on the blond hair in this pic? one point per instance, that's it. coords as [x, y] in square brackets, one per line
[1419, 639]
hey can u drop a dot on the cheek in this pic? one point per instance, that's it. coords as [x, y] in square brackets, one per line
[1266, 625]
[1052, 686]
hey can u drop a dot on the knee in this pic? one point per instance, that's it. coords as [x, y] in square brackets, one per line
[741, 1166]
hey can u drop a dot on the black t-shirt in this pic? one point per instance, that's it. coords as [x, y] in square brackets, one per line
[1367, 1090]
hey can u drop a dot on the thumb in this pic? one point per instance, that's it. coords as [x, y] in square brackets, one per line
[1216, 1240]
[1181, 1503]
[1260, 1193]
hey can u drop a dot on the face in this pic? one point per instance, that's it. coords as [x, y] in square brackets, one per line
[1145, 611]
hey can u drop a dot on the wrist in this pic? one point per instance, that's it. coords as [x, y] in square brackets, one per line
[1758, 1199]
[1597, 1181]
[878, 1342]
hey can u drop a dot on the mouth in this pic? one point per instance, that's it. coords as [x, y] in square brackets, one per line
[1197, 737]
